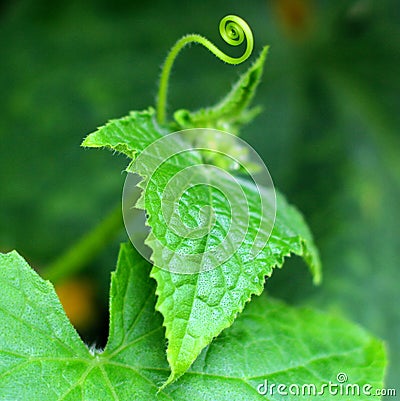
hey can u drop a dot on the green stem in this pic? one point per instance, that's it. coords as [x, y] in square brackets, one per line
[232, 29]
[85, 249]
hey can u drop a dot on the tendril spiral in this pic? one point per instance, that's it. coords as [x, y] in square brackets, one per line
[234, 30]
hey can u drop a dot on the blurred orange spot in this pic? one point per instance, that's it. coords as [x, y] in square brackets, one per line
[77, 298]
[295, 16]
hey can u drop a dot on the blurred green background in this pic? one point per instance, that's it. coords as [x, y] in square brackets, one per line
[329, 133]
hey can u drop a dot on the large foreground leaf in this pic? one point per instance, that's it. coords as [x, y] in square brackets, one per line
[43, 359]
[197, 307]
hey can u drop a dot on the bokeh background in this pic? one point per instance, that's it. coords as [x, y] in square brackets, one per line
[329, 135]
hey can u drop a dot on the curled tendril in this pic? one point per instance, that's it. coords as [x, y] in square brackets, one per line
[233, 29]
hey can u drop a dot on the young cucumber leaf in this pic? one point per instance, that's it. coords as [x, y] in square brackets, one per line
[43, 359]
[197, 307]
[232, 111]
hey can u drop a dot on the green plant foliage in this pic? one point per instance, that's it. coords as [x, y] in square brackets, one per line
[197, 307]
[232, 111]
[329, 134]
[42, 357]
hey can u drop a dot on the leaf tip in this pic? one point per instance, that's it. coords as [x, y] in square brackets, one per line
[88, 142]
[171, 379]
[167, 382]
[317, 279]
[263, 53]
